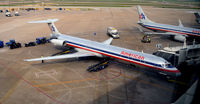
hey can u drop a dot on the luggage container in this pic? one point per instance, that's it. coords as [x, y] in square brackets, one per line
[41, 40]
[1, 44]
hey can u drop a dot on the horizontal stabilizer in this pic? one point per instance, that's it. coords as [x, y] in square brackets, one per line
[45, 21]
[51, 25]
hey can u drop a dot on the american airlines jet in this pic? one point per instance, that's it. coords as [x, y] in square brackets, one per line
[178, 33]
[87, 48]
[197, 15]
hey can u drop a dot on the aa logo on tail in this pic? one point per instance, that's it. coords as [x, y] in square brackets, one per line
[52, 28]
[142, 16]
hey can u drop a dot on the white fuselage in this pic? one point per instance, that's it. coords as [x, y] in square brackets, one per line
[171, 28]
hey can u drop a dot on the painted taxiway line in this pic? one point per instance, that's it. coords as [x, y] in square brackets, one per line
[90, 79]
[18, 76]
[38, 89]
[64, 82]
[10, 91]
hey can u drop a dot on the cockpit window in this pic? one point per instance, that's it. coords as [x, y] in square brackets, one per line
[163, 65]
[115, 33]
[167, 65]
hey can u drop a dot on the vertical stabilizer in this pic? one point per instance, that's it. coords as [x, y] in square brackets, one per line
[142, 16]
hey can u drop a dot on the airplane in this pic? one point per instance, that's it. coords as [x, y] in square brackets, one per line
[179, 33]
[197, 15]
[86, 48]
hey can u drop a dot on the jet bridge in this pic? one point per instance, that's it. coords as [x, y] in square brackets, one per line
[176, 55]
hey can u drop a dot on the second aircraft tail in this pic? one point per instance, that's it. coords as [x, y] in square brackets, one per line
[142, 16]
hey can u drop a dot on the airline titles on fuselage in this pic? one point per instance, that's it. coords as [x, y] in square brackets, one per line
[132, 55]
[196, 31]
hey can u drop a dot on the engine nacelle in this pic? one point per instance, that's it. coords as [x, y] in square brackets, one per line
[180, 38]
[58, 42]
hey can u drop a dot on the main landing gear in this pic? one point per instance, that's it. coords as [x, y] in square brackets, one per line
[100, 66]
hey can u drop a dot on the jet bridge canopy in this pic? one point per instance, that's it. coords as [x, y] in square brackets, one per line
[176, 55]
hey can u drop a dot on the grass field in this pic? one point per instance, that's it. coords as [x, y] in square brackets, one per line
[182, 4]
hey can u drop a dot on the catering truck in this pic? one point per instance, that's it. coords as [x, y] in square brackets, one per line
[111, 31]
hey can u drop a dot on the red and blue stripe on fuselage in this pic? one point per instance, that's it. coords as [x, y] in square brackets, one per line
[195, 32]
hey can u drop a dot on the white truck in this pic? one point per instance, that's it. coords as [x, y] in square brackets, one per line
[16, 13]
[111, 31]
[8, 14]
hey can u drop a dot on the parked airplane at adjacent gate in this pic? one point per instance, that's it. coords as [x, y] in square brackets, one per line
[87, 48]
[178, 33]
[197, 15]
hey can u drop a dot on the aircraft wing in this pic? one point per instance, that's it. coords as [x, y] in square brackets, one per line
[65, 56]
[80, 53]
[109, 41]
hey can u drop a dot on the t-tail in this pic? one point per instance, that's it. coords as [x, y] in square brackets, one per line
[51, 25]
[142, 16]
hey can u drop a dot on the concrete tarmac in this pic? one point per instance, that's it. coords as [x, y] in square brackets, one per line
[67, 81]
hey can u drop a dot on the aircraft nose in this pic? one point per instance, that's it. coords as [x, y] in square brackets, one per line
[175, 72]
[178, 74]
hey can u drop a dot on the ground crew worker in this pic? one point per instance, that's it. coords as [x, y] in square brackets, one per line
[42, 60]
[149, 39]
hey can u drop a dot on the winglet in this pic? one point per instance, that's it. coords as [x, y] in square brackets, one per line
[180, 23]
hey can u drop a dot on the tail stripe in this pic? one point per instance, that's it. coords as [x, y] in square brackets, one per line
[52, 28]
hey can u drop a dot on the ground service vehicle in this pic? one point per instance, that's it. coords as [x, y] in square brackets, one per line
[113, 32]
[1, 44]
[146, 39]
[16, 13]
[15, 45]
[47, 8]
[41, 40]
[97, 67]
[12, 44]
[8, 14]
[30, 44]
